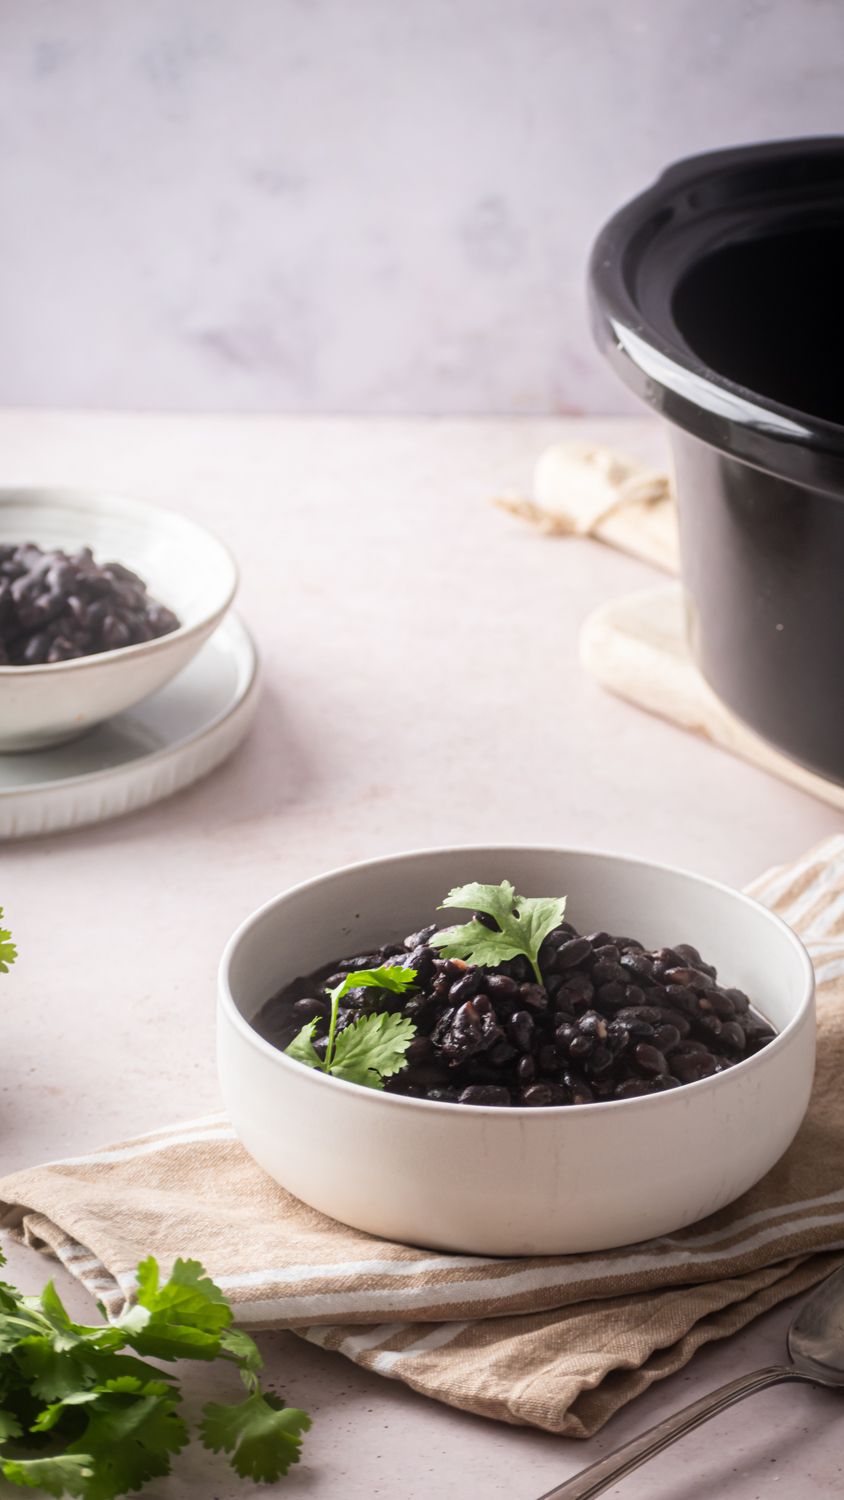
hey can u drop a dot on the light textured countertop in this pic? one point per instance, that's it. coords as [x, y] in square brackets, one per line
[421, 686]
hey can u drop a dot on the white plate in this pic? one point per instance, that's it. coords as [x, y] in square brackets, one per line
[147, 753]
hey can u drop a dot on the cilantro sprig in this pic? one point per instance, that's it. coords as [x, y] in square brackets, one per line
[523, 924]
[8, 951]
[372, 1048]
[83, 1414]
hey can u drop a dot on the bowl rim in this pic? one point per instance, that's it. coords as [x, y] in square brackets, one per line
[522, 1112]
[99, 501]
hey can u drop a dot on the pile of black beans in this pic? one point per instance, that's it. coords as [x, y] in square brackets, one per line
[55, 606]
[611, 1020]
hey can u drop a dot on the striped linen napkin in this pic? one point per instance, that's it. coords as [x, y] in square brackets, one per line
[555, 1342]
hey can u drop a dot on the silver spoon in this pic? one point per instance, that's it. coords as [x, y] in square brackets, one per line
[816, 1351]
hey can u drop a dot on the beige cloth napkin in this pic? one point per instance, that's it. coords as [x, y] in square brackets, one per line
[555, 1342]
[636, 646]
[585, 490]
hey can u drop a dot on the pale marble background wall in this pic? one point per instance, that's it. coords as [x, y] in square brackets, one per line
[362, 205]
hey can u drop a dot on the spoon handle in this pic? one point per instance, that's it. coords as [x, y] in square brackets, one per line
[595, 1479]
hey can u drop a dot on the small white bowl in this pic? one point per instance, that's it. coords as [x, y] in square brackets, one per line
[516, 1181]
[184, 567]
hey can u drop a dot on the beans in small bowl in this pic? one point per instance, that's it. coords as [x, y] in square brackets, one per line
[82, 637]
[56, 605]
[412, 1163]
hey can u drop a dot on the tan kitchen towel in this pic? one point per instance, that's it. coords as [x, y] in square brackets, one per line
[554, 1342]
[636, 646]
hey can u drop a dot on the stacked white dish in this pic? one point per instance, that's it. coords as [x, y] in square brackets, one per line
[97, 735]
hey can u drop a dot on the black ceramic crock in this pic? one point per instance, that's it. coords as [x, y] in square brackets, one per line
[718, 296]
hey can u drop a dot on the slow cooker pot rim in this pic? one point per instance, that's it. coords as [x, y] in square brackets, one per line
[668, 374]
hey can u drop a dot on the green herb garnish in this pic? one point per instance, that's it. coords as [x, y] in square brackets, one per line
[372, 1048]
[83, 1414]
[523, 924]
[8, 951]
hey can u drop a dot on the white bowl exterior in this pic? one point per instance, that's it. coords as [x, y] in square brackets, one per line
[184, 567]
[516, 1181]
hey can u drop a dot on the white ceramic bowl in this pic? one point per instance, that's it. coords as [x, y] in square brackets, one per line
[183, 565]
[516, 1181]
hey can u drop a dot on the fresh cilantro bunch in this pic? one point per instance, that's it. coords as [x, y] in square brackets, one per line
[83, 1414]
[8, 951]
[372, 1048]
[524, 923]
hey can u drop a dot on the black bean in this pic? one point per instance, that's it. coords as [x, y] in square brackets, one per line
[666, 1036]
[572, 952]
[578, 985]
[690, 956]
[639, 964]
[485, 1093]
[525, 1069]
[580, 1046]
[600, 1059]
[605, 971]
[684, 999]
[548, 1058]
[501, 987]
[466, 986]
[420, 1050]
[690, 979]
[520, 1029]
[543, 1095]
[534, 995]
[564, 1034]
[592, 1023]
[308, 1009]
[421, 959]
[688, 1067]
[427, 1075]
[632, 1088]
[612, 994]
[740, 1001]
[651, 1014]
[733, 1036]
[608, 953]
[419, 939]
[649, 1058]
[669, 958]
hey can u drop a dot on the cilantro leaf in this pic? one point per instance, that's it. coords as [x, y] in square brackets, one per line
[523, 924]
[361, 1053]
[302, 1049]
[8, 951]
[10, 1427]
[246, 1353]
[182, 1319]
[372, 1049]
[261, 1433]
[132, 1429]
[68, 1474]
[388, 977]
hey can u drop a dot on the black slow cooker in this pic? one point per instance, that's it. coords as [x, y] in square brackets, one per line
[718, 295]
